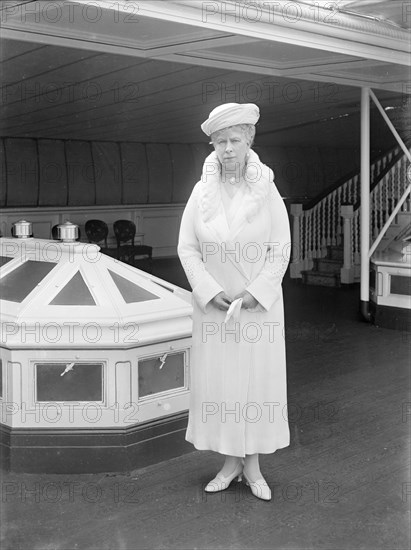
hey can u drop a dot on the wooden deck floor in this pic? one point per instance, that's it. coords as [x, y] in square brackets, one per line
[342, 484]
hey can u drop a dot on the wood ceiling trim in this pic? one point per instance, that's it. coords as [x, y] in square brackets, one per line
[22, 48]
[205, 61]
[24, 34]
[164, 116]
[344, 70]
[356, 81]
[347, 80]
[55, 115]
[166, 132]
[199, 38]
[374, 81]
[48, 72]
[62, 85]
[326, 15]
[345, 64]
[395, 47]
[273, 64]
[170, 103]
[204, 57]
[196, 45]
[150, 94]
[65, 27]
[358, 38]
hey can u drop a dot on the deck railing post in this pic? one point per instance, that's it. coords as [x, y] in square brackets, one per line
[347, 271]
[296, 258]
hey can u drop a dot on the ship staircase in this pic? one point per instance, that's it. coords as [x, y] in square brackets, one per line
[326, 231]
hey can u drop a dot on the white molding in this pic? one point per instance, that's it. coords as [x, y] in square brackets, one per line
[107, 208]
[377, 41]
[17, 33]
[330, 21]
[348, 80]
[351, 41]
[198, 45]
[358, 37]
[169, 214]
[339, 63]
[282, 68]
[145, 49]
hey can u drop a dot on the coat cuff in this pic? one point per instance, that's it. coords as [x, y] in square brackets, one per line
[264, 291]
[205, 291]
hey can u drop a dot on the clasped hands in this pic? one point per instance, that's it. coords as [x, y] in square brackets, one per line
[223, 302]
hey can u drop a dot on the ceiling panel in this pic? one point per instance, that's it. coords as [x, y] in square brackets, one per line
[39, 61]
[274, 55]
[164, 77]
[101, 21]
[109, 97]
[11, 49]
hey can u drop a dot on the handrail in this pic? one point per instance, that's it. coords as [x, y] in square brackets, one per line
[389, 221]
[313, 202]
[382, 174]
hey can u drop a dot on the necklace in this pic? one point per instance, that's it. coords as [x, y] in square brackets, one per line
[236, 179]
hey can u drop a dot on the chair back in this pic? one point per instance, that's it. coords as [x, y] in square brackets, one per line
[124, 230]
[96, 231]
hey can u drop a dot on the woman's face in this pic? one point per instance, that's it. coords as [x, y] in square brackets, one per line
[231, 146]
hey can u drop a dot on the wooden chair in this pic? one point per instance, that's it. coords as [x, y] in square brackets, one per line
[125, 232]
[97, 231]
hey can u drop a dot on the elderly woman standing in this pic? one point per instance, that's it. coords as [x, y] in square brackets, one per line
[234, 247]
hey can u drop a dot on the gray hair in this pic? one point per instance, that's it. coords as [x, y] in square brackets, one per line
[247, 129]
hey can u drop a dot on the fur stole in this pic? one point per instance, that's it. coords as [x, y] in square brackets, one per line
[258, 177]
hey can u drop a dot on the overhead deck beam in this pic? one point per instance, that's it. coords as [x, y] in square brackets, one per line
[318, 28]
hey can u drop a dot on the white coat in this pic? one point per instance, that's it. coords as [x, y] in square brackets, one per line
[238, 369]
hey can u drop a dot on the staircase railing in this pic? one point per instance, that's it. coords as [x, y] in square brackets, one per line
[319, 224]
[386, 192]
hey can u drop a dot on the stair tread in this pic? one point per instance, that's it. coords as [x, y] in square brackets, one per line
[329, 260]
[321, 273]
[321, 278]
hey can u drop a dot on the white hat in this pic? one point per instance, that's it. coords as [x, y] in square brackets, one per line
[230, 114]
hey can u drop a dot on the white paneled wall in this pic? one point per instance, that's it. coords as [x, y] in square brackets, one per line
[158, 225]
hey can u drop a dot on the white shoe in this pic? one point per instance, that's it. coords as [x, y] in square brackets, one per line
[259, 488]
[221, 483]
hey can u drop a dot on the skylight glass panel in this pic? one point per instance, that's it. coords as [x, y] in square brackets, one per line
[17, 285]
[4, 260]
[131, 292]
[75, 293]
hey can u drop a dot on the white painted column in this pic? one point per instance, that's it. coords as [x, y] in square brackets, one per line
[347, 271]
[365, 199]
[296, 265]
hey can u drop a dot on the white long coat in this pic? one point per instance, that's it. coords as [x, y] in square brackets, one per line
[238, 369]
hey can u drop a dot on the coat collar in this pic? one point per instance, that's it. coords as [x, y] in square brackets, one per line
[258, 177]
